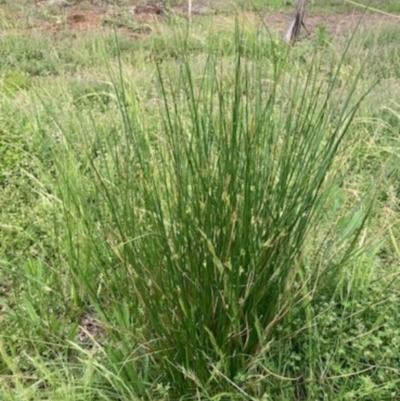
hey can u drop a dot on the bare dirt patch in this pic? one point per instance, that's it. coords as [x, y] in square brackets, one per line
[336, 24]
[92, 15]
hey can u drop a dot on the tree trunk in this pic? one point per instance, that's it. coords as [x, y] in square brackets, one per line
[293, 33]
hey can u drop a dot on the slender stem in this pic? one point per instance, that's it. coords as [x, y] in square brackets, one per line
[190, 9]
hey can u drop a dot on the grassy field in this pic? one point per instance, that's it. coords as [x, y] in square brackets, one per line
[199, 211]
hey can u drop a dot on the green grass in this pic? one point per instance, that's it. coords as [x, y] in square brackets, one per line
[199, 214]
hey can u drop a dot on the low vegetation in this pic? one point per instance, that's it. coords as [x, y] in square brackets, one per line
[198, 212]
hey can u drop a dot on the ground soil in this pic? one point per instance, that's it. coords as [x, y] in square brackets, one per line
[336, 24]
[92, 15]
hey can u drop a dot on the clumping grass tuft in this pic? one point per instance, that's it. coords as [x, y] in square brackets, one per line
[197, 228]
[191, 216]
